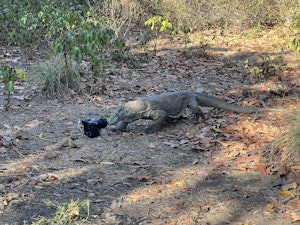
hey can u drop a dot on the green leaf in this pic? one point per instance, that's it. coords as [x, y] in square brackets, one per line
[9, 86]
[165, 25]
[185, 29]
[92, 46]
[77, 53]
[148, 22]
[68, 26]
[6, 68]
[24, 20]
[21, 74]
[58, 47]
[154, 22]
[40, 14]
[119, 44]
[110, 32]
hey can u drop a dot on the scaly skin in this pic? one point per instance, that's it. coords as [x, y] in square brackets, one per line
[170, 105]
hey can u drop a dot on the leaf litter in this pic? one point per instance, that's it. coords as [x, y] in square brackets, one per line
[211, 173]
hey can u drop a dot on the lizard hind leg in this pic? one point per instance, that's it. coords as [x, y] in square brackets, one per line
[194, 107]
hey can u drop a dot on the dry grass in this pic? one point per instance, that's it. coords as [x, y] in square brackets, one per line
[66, 213]
[119, 15]
[287, 147]
[199, 14]
[54, 77]
[228, 14]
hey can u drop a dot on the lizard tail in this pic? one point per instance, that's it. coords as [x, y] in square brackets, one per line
[210, 101]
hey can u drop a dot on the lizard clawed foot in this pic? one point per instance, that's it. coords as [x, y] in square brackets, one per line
[116, 130]
[194, 121]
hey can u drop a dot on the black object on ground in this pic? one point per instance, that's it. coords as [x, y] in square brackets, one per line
[92, 126]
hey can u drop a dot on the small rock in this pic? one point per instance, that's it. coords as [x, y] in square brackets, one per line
[103, 132]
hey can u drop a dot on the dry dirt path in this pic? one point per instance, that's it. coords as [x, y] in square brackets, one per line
[211, 173]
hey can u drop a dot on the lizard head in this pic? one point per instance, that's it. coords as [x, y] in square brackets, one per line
[117, 115]
[127, 112]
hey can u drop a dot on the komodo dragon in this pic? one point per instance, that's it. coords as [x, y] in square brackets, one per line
[170, 105]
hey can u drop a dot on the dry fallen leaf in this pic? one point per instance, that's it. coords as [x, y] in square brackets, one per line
[34, 123]
[79, 159]
[3, 150]
[178, 182]
[281, 171]
[24, 166]
[295, 203]
[295, 216]
[169, 210]
[183, 141]
[269, 208]
[106, 163]
[156, 191]
[181, 206]
[144, 178]
[171, 144]
[11, 196]
[152, 145]
[289, 186]
[286, 193]
[261, 167]
[241, 167]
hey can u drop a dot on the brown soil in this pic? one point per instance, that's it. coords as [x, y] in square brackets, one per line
[211, 173]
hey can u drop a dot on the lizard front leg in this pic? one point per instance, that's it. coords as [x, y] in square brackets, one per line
[158, 117]
[122, 126]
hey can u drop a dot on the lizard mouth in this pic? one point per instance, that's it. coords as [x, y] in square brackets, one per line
[112, 121]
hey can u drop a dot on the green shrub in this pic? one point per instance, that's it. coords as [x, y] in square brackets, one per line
[159, 26]
[9, 76]
[31, 21]
[89, 44]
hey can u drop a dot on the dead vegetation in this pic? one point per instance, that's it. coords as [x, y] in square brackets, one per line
[285, 148]
[230, 169]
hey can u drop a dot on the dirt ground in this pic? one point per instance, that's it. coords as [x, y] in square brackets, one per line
[212, 173]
